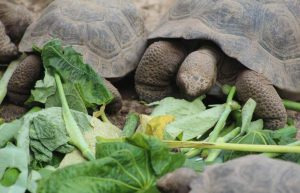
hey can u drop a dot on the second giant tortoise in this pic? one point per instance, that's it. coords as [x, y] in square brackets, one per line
[109, 34]
[199, 41]
[249, 174]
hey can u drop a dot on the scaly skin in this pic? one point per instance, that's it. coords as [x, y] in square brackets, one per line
[157, 69]
[197, 74]
[24, 78]
[8, 50]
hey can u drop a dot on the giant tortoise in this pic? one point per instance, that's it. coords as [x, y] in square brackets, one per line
[253, 44]
[110, 35]
[249, 174]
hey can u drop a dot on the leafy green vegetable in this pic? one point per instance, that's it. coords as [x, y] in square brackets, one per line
[213, 154]
[247, 113]
[195, 163]
[45, 91]
[252, 137]
[74, 100]
[70, 66]
[16, 155]
[229, 106]
[131, 124]
[99, 129]
[256, 125]
[44, 88]
[10, 177]
[7, 75]
[82, 85]
[44, 133]
[255, 135]
[291, 105]
[123, 166]
[285, 135]
[195, 125]
[17, 158]
[177, 107]
[48, 132]
[9, 131]
[73, 130]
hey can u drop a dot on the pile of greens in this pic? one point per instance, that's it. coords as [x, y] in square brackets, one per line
[43, 136]
[61, 148]
[224, 131]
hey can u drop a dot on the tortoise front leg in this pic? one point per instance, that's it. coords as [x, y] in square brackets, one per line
[198, 72]
[157, 69]
[251, 84]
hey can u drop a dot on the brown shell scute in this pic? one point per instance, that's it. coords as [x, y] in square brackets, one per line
[109, 34]
[262, 35]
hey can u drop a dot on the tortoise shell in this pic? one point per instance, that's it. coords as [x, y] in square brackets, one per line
[109, 34]
[263, 35]
[249, 174]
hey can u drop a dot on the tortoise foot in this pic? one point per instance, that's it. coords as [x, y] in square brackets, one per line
[157, 69]
[251, 84]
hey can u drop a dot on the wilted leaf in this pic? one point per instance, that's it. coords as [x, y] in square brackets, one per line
[156, 126]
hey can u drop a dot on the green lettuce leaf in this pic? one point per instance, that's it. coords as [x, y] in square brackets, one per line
[44, 88]
[177, 107]
[247, 114]
[48, 133]
[14, 157]
[70, 66]
[259, 137]
[123, 166]
[195, 125]
[74, 99]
